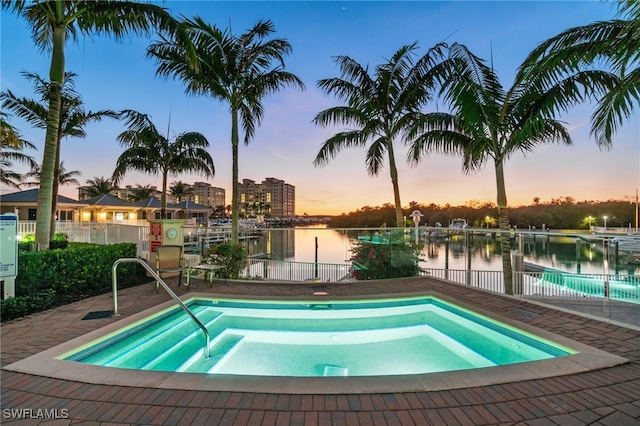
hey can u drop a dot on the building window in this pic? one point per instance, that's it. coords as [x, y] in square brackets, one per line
[65, 215]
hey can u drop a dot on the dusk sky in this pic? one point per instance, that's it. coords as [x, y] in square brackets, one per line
[117, 75]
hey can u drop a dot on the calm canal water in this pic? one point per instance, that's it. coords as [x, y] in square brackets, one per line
[564, 251]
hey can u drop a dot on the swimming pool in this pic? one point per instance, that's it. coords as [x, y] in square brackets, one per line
[50, 362]
[401, 336]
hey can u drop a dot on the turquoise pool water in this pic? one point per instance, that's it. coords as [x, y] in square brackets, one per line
[311, 339]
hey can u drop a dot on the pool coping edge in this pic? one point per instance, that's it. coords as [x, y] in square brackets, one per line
[45, 363]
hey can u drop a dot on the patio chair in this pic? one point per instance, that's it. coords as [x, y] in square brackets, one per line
[169, 259]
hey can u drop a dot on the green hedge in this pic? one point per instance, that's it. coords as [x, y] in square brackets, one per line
[68, 275]
[385, 259]
[28, 242]
[20, 306]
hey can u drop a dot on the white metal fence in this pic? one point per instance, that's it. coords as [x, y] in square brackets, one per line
[545, 284]
[297, 271]
[99, 233]
[551, 285]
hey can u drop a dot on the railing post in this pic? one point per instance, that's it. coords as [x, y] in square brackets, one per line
[517, 260]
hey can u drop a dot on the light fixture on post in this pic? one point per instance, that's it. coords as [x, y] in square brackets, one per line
[637, 211]
[416, 215]
[605, 223]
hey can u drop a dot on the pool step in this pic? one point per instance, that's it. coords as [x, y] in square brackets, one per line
[176, 335]
[219, 348]
[152, 331]
[176, 351]
[493, 346]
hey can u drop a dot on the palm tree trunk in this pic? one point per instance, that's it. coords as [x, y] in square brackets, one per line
[505, 238]
[234, 188]
[56, 188]
[396, 188]
[45, 194]
[163, 196]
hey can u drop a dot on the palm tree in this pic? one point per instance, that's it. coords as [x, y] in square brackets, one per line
[52, 23]
[616, 43]
[64, 177]
[149, 151]
[140, 193]
[235, 69]
[491, 124]
[378, 108]
[72, 120]
[11, 146]
[99, 186]
[180, 190]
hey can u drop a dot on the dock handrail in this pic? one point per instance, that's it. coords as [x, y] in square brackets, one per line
[155, 276]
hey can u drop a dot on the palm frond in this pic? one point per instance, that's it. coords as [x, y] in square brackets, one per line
[615, 107]
[341, 115]
[374, 159]
[336, 143]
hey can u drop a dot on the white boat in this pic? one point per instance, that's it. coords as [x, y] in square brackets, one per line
[458, 223]
[626, 243]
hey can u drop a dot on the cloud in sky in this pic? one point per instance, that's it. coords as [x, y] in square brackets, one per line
[117, 75]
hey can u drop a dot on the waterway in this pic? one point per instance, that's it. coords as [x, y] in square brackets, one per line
[567, 251]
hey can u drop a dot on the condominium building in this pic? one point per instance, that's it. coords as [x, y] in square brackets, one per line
[272, 198]
[200, 193]
[207, 195]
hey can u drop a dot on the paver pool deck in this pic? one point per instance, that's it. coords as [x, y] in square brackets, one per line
[607, 396]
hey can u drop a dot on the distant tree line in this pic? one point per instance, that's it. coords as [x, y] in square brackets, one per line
[559, 213]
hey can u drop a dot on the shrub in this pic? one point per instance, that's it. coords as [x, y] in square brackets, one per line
[59, 241]
[233, 257]
[385, 259]
[75, 273]
[28, 242]
[20, 306]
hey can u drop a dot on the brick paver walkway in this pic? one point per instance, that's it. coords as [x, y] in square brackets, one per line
[608, 396]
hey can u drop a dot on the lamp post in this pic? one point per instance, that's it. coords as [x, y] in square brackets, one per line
[590, 222]
[605, 223]
[637, 211]
[487, 220]
[416, 215]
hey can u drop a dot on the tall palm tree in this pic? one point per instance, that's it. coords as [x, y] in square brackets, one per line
[180, 190]
[72, 119]
[99, 186]
[140, 193]
[11, 147]
[151, 152]
[378, 108]
[64, 177]
[235, 69]
[617, 44]
[53, 22]
[489, 123]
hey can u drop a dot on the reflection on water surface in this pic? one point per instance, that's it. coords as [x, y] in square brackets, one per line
[566, 252]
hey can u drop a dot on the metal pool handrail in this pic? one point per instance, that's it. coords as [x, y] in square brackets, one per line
[153, 273]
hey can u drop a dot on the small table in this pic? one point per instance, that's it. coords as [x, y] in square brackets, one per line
[209, 269]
